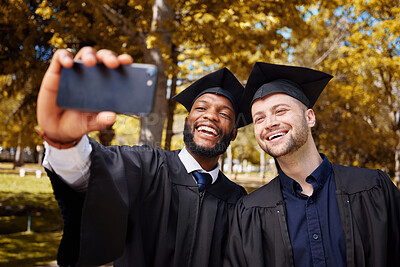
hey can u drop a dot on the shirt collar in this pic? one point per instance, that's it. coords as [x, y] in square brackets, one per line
[320, 175]
[192, 165]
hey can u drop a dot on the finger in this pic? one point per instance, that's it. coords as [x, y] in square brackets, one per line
[47, 108]
[125, 59]
[87, 55]
[61, 58]
[108, 57]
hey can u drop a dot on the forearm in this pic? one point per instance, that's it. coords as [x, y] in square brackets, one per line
[71, 165]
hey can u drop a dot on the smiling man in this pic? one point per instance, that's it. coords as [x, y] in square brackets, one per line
[313, 213]
[140, 205]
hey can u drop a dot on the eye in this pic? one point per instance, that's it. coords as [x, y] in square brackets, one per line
[225, 115]
[280, 111]
[258, 119]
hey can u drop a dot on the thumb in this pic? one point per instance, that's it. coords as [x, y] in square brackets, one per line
[100, 121]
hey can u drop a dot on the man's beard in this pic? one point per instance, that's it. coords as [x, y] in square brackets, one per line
[201, 151]
[294, 143]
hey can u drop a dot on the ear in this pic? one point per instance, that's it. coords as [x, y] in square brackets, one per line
[234, 134]
[310, 117]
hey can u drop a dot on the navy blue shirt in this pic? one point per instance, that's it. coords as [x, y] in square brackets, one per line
[314, 224]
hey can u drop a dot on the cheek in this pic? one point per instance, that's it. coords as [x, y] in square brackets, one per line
[227, 124]
[257, 131]
[191, 118]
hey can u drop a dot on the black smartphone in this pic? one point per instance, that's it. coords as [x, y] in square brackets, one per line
[128, 89]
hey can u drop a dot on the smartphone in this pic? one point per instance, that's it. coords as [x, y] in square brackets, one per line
[128, 89]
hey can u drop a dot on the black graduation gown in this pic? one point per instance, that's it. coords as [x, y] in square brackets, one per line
[369, 206]
[142, 208]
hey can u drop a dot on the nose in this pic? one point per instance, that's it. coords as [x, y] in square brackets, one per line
[271, 122]
[211, 114]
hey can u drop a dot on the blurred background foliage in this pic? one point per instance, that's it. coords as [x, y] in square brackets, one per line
[358, 114]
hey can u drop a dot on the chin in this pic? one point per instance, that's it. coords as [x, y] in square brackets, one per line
[205, 143]
[276, 152]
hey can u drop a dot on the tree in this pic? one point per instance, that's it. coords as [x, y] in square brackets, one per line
[24, 50]
[358, 43]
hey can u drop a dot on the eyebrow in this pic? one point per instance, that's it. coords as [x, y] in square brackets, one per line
[272, 108]
[257, 113]
[281, 104]
[224, 106]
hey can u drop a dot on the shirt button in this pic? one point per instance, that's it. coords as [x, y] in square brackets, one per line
[315, 236]
[310, 201]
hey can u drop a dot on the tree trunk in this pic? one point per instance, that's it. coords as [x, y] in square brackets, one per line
[19, 157]
[262, 164]
[40, 151]
[171, 104]
[396, 129]
[152, 125]
[221, 161]
[19, 154]
[397, 166]
[397, 159]
[230, 160]
[170, 115]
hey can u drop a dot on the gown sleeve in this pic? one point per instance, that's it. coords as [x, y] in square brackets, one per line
[234, 256]
[70, 203]
[392, 195]
[95, 223]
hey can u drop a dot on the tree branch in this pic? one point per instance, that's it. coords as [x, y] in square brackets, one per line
[335, 44]
[124, 24]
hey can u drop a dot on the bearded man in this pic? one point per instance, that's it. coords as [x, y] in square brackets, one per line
[140, 205]
[314, 213]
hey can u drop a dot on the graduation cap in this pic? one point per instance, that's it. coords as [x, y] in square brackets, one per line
[221, 82]
[301, 83]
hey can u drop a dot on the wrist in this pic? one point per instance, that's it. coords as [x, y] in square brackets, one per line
[55, 143]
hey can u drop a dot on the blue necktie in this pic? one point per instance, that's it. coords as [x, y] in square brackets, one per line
[203, 179]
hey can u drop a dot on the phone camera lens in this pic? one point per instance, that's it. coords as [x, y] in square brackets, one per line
[150, 73]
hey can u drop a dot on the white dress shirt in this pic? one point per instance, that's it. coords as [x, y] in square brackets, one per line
[192, 165]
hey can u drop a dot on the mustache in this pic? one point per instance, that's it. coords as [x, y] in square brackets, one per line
[267, 132]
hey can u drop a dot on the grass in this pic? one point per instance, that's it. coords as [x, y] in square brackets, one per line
[28, 248]
[24, 199]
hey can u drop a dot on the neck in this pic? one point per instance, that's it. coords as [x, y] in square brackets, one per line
[208, 164]
[300, 164]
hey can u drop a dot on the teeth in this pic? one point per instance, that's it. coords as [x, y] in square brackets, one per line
[275, 136]
[207, 129]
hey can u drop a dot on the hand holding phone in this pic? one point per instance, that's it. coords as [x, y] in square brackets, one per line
[128, 89]
[65, 125]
